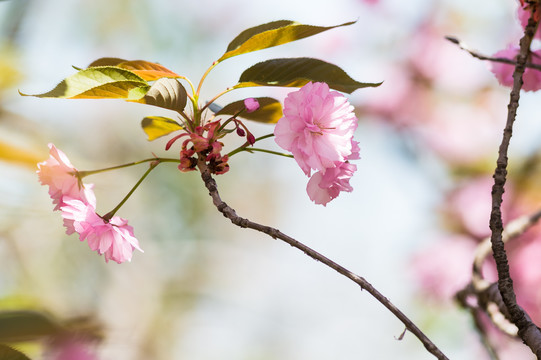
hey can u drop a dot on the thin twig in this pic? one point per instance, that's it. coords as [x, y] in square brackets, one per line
[476, 312]
[479, 56]
[528, 332]
[512, 230]
[230, 213]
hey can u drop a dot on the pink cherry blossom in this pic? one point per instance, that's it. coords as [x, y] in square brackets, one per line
[504, 72]
[324, 187]
[251, 104]
[59, 174]
[113, 238]
[317, 127]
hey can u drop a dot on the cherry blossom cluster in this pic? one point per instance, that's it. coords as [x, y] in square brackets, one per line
[317, 128]
[504, 72]
[111, 237]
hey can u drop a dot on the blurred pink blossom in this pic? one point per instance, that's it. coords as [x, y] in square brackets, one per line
[431, 57]
[70, 347]
[523, 13]
[504, 72]
[471, 204]
[526, 273]
[317, 127]
[370, 2]
[444, 267]
[113, 238]
[460, 133]
[59, 174]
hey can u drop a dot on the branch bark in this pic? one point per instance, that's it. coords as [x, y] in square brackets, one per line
[528, 331]
[230, 213]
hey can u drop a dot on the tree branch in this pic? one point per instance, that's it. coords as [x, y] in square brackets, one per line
[482, 296]
[479, 56]
[528, 332]
[230, 213]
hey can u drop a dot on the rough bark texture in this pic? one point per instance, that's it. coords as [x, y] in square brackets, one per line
[528, 331]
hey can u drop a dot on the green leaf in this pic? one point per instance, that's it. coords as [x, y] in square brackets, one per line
[106, 82]
[166, 93]
[157, 126]
[24, 325]
[147, 70]
[272, 34]
[270, 110]
[296, 72]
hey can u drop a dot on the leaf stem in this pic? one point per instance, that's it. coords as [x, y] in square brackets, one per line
[236, 151]
[191, 86]
[111, 213]
[264, 137]
[244, 147]
[196, 94]
[216, 97]
[82, 174]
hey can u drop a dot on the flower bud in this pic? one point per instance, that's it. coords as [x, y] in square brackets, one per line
[240, 132]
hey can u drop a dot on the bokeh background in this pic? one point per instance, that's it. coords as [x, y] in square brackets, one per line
[204, 289]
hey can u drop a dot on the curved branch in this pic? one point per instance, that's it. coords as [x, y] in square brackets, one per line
[230, 213]
[528, 331]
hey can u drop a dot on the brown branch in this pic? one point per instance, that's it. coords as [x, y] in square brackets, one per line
[528, 332]
[230, 213]
[479, 56]
[486, 295]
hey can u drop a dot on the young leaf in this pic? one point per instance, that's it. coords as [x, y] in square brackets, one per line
[157, 126]
[296, 72]
[106, 82]
[166, 93]
[270, 110]
[148, 71]
[272, 34]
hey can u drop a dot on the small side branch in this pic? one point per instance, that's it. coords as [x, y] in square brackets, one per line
[230, 213]
[480, 56]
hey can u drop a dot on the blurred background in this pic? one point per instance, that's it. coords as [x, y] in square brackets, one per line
[205, 289]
